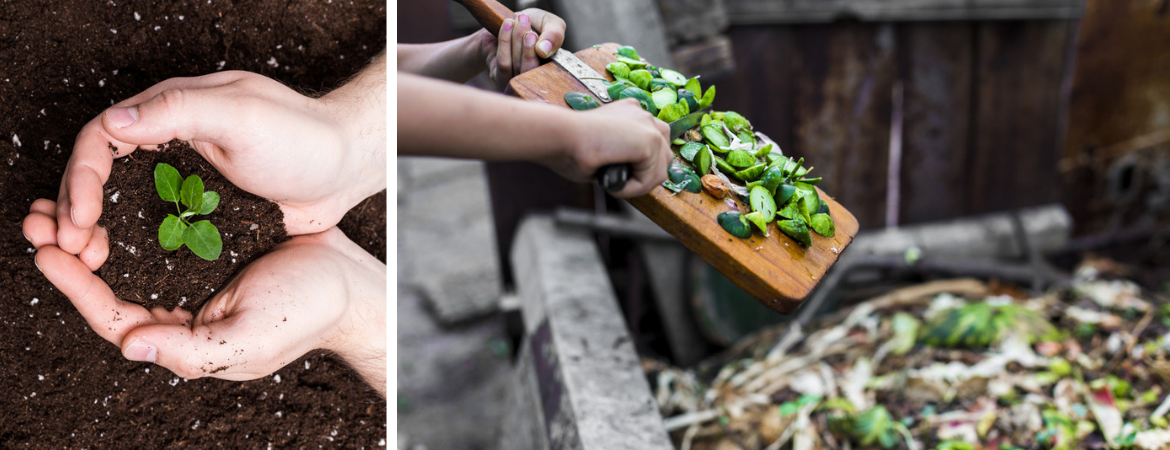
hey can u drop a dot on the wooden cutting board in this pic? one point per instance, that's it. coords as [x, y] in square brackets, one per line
[776, 270]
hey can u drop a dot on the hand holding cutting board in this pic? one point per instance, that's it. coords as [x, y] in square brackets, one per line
[781, 263]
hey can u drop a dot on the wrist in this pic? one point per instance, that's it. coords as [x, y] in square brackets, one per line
[360, 335]
[358, 110]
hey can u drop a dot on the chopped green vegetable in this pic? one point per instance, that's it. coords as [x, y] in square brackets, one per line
[634, 63]
[675, 78]
[641, 78]
[741, 159]
[734, 223]
[716, 138]
[663, 98]
[759, 219]
[708, 98]
[796, 230]
[619, 70]
[689, 150]
[751, 173]
[762, 201]
[581, 101]
[628, 52]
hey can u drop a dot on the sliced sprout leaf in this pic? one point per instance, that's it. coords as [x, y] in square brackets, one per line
[716, 138]
[615, 90]
[170, 234]
[675, 78]
[764, 151]
[191, 193]
[628, 52]
[759, 219]
[734, 223]
[581, 101]
[751, 173]
[693, 87]
[795, 230]
[678, 141]
[704, 163]
[689, 150]
[658, 84]
[791, 210]
[746, 136]
[167, 181]
[672, 112]
[210, 202]
[203, 239]
[773, 177]
[784, 193]
[723, 166]
[708, 97]
[736, 122]
[634, 63]
[823, 225]
[706, 120]
[618, 69]
[642, 97]
[688, 97]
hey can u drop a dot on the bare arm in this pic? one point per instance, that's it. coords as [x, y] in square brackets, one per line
[437, 118]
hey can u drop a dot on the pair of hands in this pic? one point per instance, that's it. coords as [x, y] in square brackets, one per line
[316, 158]
[574, 144]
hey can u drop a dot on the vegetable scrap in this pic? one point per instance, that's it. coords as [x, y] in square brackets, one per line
[947, 365]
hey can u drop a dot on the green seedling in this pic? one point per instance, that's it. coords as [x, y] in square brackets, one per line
[201, 237]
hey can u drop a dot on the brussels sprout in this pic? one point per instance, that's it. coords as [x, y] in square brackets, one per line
[675, 78]
[796, 230]
[664, 97]
[581, 101]
[736, 122]
[704, 161]
[735, 223]
[642, 97]
[672, 112]
[741, 159]
[619, 70]
[762, 201]
[641, 78]
[823, 225]
[773, 177]
[615, 90]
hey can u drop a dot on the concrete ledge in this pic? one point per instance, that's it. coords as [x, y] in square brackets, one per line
[577, 361]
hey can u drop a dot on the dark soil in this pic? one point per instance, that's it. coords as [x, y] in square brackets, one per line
[139, 270]
[61, 64]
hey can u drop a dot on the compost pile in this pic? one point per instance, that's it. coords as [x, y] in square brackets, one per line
[953, 364]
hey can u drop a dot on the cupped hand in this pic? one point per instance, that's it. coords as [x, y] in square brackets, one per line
[313, 291]
[616, 133]
[533, 32]
[315, 157]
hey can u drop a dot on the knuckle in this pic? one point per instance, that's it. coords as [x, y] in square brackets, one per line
[173, 99]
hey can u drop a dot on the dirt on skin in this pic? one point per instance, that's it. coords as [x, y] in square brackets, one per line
[61, 64]
[140, 270]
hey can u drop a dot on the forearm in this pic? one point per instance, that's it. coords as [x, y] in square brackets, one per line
[361, 336]
[444, 119]
[456, 60]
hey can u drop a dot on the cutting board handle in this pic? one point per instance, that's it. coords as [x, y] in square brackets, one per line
[489, 13]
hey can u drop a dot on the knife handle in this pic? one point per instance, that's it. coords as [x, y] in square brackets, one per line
[489, 13]
[613, 177]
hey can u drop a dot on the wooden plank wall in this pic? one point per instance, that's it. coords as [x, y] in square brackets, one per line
[982, 105]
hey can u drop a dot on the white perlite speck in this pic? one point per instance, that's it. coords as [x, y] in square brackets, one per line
[276, 378]
[154, 297]
[174, 382]
[34, 301]
[114, 197]
[136, 16]
[40, 378]
[279, 414]
[272, 61]
[16, 140]
[306, 365]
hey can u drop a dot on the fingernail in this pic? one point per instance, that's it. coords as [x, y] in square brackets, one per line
[141, 351]
[25, 236]
[530, 39]
[35, 263]
[524, 20]
[545, 47]
[508, 25]
[73, 217]
[122, 117]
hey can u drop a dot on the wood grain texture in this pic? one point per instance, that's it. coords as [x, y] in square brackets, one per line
[775, 269]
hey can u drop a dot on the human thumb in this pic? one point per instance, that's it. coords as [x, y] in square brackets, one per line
[188, 352]
[178, 113]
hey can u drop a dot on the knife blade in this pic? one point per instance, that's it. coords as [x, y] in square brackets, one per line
[583, 73]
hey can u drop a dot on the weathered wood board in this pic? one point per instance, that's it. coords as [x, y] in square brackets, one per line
[774, 269]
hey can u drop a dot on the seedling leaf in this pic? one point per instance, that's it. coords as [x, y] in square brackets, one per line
[170, 234]
[166, 181]
[203, 239]
[210, 202]
[192, 193]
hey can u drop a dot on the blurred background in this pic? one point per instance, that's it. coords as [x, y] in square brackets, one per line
[1003, 140]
